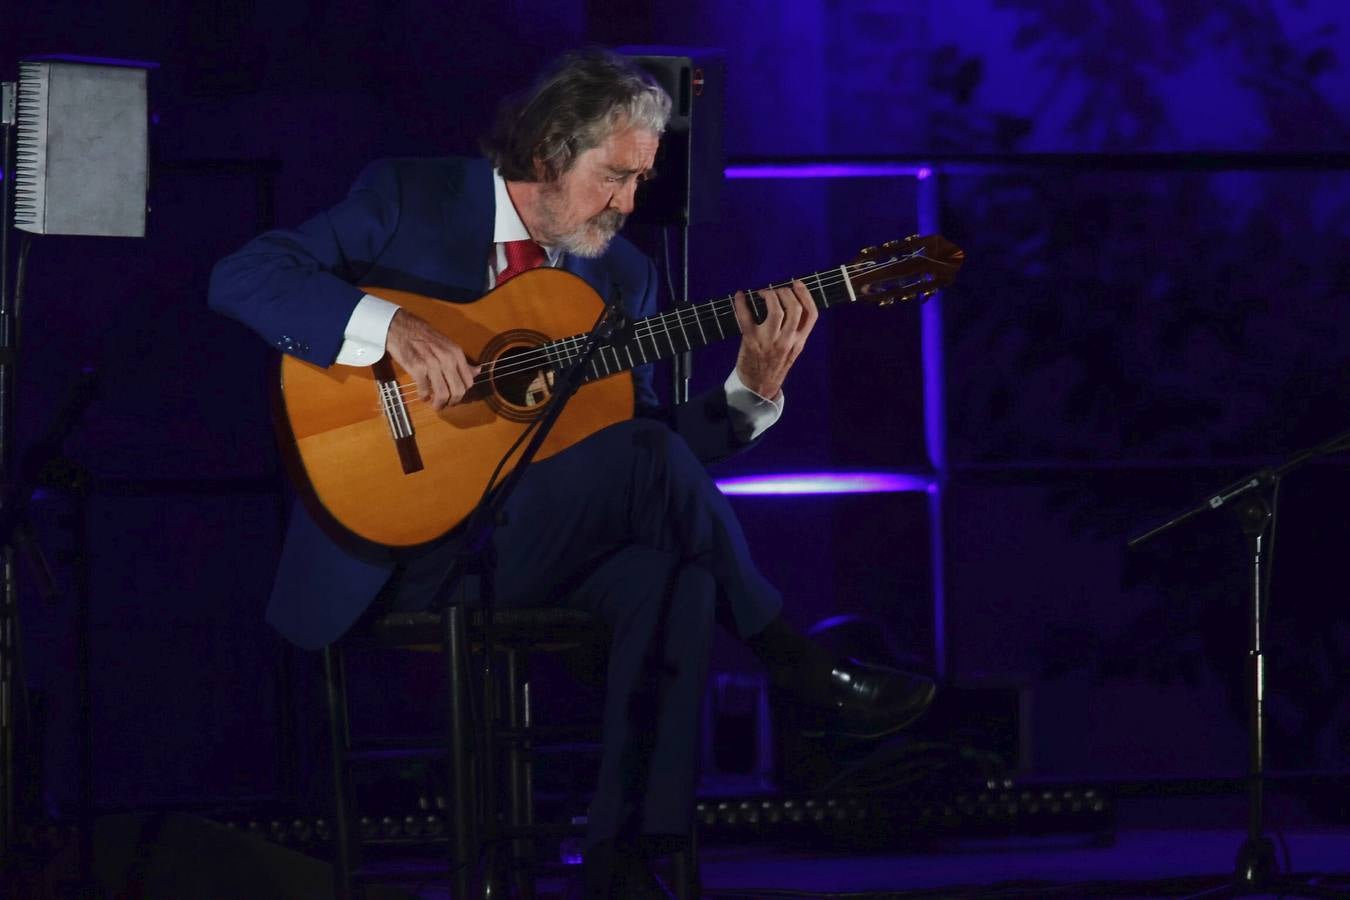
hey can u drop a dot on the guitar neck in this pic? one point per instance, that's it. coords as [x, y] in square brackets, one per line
[690, 327]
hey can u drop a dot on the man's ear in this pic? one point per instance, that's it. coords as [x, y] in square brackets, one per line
[541, 170]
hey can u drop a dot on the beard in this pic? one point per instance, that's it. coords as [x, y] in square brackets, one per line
[592, 237]
[589, 239]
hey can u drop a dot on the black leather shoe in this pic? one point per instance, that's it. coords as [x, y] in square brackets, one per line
[870, 701]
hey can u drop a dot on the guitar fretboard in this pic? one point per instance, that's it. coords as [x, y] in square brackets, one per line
[688, 327]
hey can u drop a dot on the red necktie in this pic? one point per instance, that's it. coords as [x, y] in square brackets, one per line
[520, 256]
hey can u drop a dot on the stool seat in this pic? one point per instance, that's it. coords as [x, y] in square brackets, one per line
[541, 628]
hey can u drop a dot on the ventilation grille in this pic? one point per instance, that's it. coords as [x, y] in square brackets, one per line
[30, 165]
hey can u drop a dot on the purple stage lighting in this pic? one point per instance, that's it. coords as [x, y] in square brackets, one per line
[94, 60]
[828, 170]
[807, 483]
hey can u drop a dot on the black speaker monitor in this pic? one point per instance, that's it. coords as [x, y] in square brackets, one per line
[691, 160]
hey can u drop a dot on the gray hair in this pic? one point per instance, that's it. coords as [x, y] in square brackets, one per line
[578, 102]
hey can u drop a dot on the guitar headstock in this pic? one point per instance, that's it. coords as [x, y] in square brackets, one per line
[915, 267]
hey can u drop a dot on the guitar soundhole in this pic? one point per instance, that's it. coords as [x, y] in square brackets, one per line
[521, 380]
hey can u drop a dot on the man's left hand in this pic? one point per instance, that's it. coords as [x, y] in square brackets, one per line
[769, 349]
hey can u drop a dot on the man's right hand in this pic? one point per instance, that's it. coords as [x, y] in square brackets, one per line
[437, 364]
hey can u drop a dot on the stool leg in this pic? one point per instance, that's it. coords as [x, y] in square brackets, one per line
[345, 853]
[685, 865]
[521, 798]
[461, 804]
[489, 790]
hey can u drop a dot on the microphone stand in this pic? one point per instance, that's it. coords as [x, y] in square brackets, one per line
[682, 364]
[476, 554]
[1252, 499]
[8, 578]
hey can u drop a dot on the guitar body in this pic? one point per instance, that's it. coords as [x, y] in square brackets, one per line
[340, 443]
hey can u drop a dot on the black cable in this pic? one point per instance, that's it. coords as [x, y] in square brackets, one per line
[1284, 845]
[564, 389]
[20, 279]
[670, 275]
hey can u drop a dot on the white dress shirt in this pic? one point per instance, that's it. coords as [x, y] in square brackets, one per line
[366, 331]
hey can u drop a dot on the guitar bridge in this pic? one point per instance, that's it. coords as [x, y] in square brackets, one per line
[395, 410]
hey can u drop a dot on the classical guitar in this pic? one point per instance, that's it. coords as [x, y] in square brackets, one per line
[372, 459]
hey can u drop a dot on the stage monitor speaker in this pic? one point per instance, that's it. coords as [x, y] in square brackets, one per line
[82, 164]
[691, 161]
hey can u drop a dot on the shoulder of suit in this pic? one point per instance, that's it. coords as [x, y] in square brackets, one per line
[446, 173]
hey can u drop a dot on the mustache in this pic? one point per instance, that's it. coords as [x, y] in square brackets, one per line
[610, 220]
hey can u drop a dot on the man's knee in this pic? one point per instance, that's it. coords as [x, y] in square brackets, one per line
[668, 456]
[649, 436]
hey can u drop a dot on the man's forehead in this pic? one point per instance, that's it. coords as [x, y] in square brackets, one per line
[630, 149]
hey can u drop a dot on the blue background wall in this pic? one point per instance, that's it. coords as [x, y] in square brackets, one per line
[1122, 340]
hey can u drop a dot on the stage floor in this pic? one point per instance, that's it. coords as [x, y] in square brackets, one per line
[1143, 857]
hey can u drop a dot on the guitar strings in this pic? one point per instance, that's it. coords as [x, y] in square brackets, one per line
[660, 324]
[711, 314]
[652, 327]
[567, 348]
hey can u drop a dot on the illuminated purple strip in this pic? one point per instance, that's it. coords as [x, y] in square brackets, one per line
[828, 170]
[935, 431]
[806, 483]
[93, 60]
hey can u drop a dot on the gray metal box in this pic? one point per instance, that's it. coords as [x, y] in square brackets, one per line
[82, 149]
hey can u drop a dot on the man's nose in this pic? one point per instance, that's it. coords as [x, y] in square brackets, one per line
[624, 198]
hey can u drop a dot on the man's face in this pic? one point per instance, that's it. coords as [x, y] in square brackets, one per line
[585, 207]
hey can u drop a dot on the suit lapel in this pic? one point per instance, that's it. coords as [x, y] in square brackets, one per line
[468, 212]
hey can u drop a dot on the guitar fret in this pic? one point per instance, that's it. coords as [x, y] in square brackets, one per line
[679, 319]
[698, 320]
[822, 301]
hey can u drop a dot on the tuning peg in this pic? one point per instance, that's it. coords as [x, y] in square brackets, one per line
[886, 302]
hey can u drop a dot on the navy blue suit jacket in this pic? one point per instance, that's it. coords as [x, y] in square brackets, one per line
[421, 225]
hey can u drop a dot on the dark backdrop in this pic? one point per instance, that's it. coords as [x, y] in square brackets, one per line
[1120, 341]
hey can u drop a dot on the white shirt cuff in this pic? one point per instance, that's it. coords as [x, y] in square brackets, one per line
[756, 413]
[363, 339]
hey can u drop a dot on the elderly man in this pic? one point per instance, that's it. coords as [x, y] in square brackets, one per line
[627, 523]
